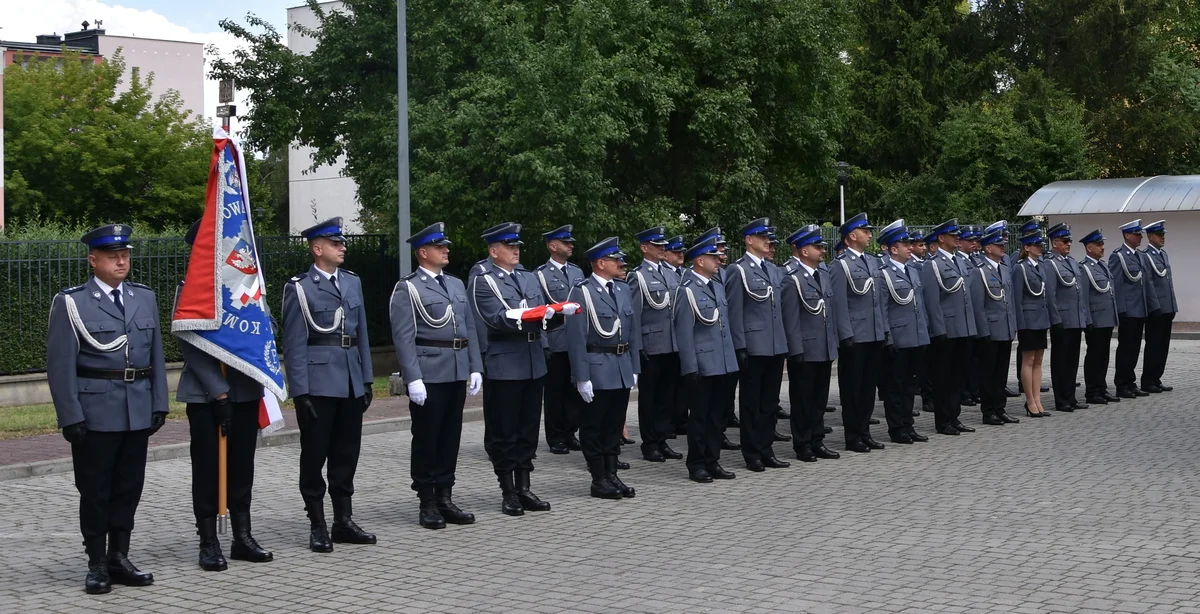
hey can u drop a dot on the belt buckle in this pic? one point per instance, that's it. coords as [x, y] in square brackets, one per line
[130, 374]
[531, 337]
[345, 341]
[621, 348]
[456, 344]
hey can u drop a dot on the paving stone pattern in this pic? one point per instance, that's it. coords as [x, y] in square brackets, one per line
[1095, 511]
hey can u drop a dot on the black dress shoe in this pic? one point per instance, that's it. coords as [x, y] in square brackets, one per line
[1077, 405]
[625, 441]
[804, 453]
[1165, 388]
[1010, 393]
[857, 446]
[1044, 388]
[781, 437]
[871, 443]
[962, 428]
[728, 445]
[992, 419]
[823, 452]
[1126, 393]
[700, 475]
[1066, 408]
[1096, 400]
[1111, 398]
[829, 409]
[1151, 388]
[968, 403]
[97, 581]
[756, 466]
[734, 422]
[873, 421]
[573, 443]
[782, 414]
[559, 447]
[773, 462]
[667, 452]
[654, 456]
[1139, 393]
[927, 407]
[901, 438]
[719, 473]
[622, 465]
[827, 429]
[948, 430]
[916, 413]
[915, 436]
[1003, 415]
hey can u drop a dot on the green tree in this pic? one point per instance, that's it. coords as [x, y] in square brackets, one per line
[77, 151]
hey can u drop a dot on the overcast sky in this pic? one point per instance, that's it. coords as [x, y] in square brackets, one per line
[184, 20]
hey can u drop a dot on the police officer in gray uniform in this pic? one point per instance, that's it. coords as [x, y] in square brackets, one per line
[562, 403]
[970, 259]
[992, 299]
[752, 287]
[1158, 323]
[220, 397]
[1102, 304]
[706, 358]
[435, 343]
[862, 331]
[514, 365]
[652, 286]
[1068, 298]
[673, 265]
[951, 326]
[108, 379]
[1035, 315]
[327, 356]
[909, 333]
[1135, 301]
[811, 328]
[604, 346]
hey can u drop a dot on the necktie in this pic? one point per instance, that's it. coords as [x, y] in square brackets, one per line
[441, 281]
[333, 280]
[609, 285]
[116, 294]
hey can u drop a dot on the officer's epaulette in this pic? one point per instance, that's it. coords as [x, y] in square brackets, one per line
[295, 279]
[137, 285]
[348, 271]
[409, 276]
[73, 290]
[687, 282]
[573, 265]
[624, 281]
[581, 282]
[519, 267]
[542, 267]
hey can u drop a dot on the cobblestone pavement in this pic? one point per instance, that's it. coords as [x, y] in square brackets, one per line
[1091, 511]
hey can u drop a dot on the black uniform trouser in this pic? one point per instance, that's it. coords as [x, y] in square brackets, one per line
[924, 377]
[706, 420]
[680, 406]
[240, 443]
[729, 397]
[511, 414]
[601, 421]
[1095, 363]
[1158, 344]
[656, 399]
[1064, 363]
[1129, 345]
[110, 469]
[562, 400]
[858, 373]
[896, 369]
[808, 392]
[436, 432]
[970, 385]
[993, 374]
[947, 386]
[335, 435]
[1020, 382]
[756, 405]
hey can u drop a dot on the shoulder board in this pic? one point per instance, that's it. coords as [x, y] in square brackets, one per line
[295, 279]
[687, 282]
[573, 265]
[352, 273]
[619, 280]
[142, 286]
[409, 276]
[582, 282]
[543, 266]
[73, 290]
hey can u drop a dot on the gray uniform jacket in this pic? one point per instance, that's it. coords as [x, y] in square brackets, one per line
[202, 381]
[326, 370]
[443, 316]
[1162, 284]
[992, 299]
[907, 320]
[106, 404]
[601, 313]
[1067, 292]
[809, 320]
[1130, 285]
[755, 317]
[653, 288]
[1029, 296]
[556, 284]
[513, 350]
[861, 318]
[705, 343]
[1102, 301]
[916, 264]
[947, 297]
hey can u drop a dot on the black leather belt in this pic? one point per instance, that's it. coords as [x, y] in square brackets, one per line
[345, 341]
[127, 375]
[495, 335]
[454, 344]
[617, 349]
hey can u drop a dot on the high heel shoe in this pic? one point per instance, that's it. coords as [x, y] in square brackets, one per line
[1033, 415]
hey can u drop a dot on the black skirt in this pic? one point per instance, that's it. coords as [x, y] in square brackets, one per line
[1031, 340]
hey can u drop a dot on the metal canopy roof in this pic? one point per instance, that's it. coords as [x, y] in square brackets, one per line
[1137, 195]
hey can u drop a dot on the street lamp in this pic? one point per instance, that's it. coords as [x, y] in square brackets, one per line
[843, 179]
[404, 214]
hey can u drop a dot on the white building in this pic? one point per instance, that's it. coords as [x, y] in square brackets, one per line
[316, 195]
[176, 65]
[1109, 203]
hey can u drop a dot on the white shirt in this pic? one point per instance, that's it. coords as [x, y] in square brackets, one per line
[326, 275]
[754, 259]
[995, 265]
[854, 251]
[652, 264]
[808, 269]
[603, 282]
[1130, 247]
[899, 266]
[554, 263]
[107, 289]
[428, 272]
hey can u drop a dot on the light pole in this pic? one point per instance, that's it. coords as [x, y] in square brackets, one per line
[404, 214]
[843, 178]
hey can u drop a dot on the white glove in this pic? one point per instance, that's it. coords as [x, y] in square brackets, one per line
[475, 384]
[549, 312]
[585, 390]
[416, 392]
[635, 380]
[570, 309]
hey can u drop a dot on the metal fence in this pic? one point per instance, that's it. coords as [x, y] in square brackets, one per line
[33, 272]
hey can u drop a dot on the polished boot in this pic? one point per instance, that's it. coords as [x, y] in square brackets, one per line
[529, 501]
[211, 558]
[120, 569]
[804, 453]
[510, 505]
[610, 465]
[667, 452]
[318, 534]
[1003, 415]
[915, 436]
[719, 473]
[245, 547]
[345, 531]
[97, 581]
[449, 511]
[602, 488]
[429, 516]
[821, 451]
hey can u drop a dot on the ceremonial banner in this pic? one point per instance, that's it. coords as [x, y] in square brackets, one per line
[221, 309]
